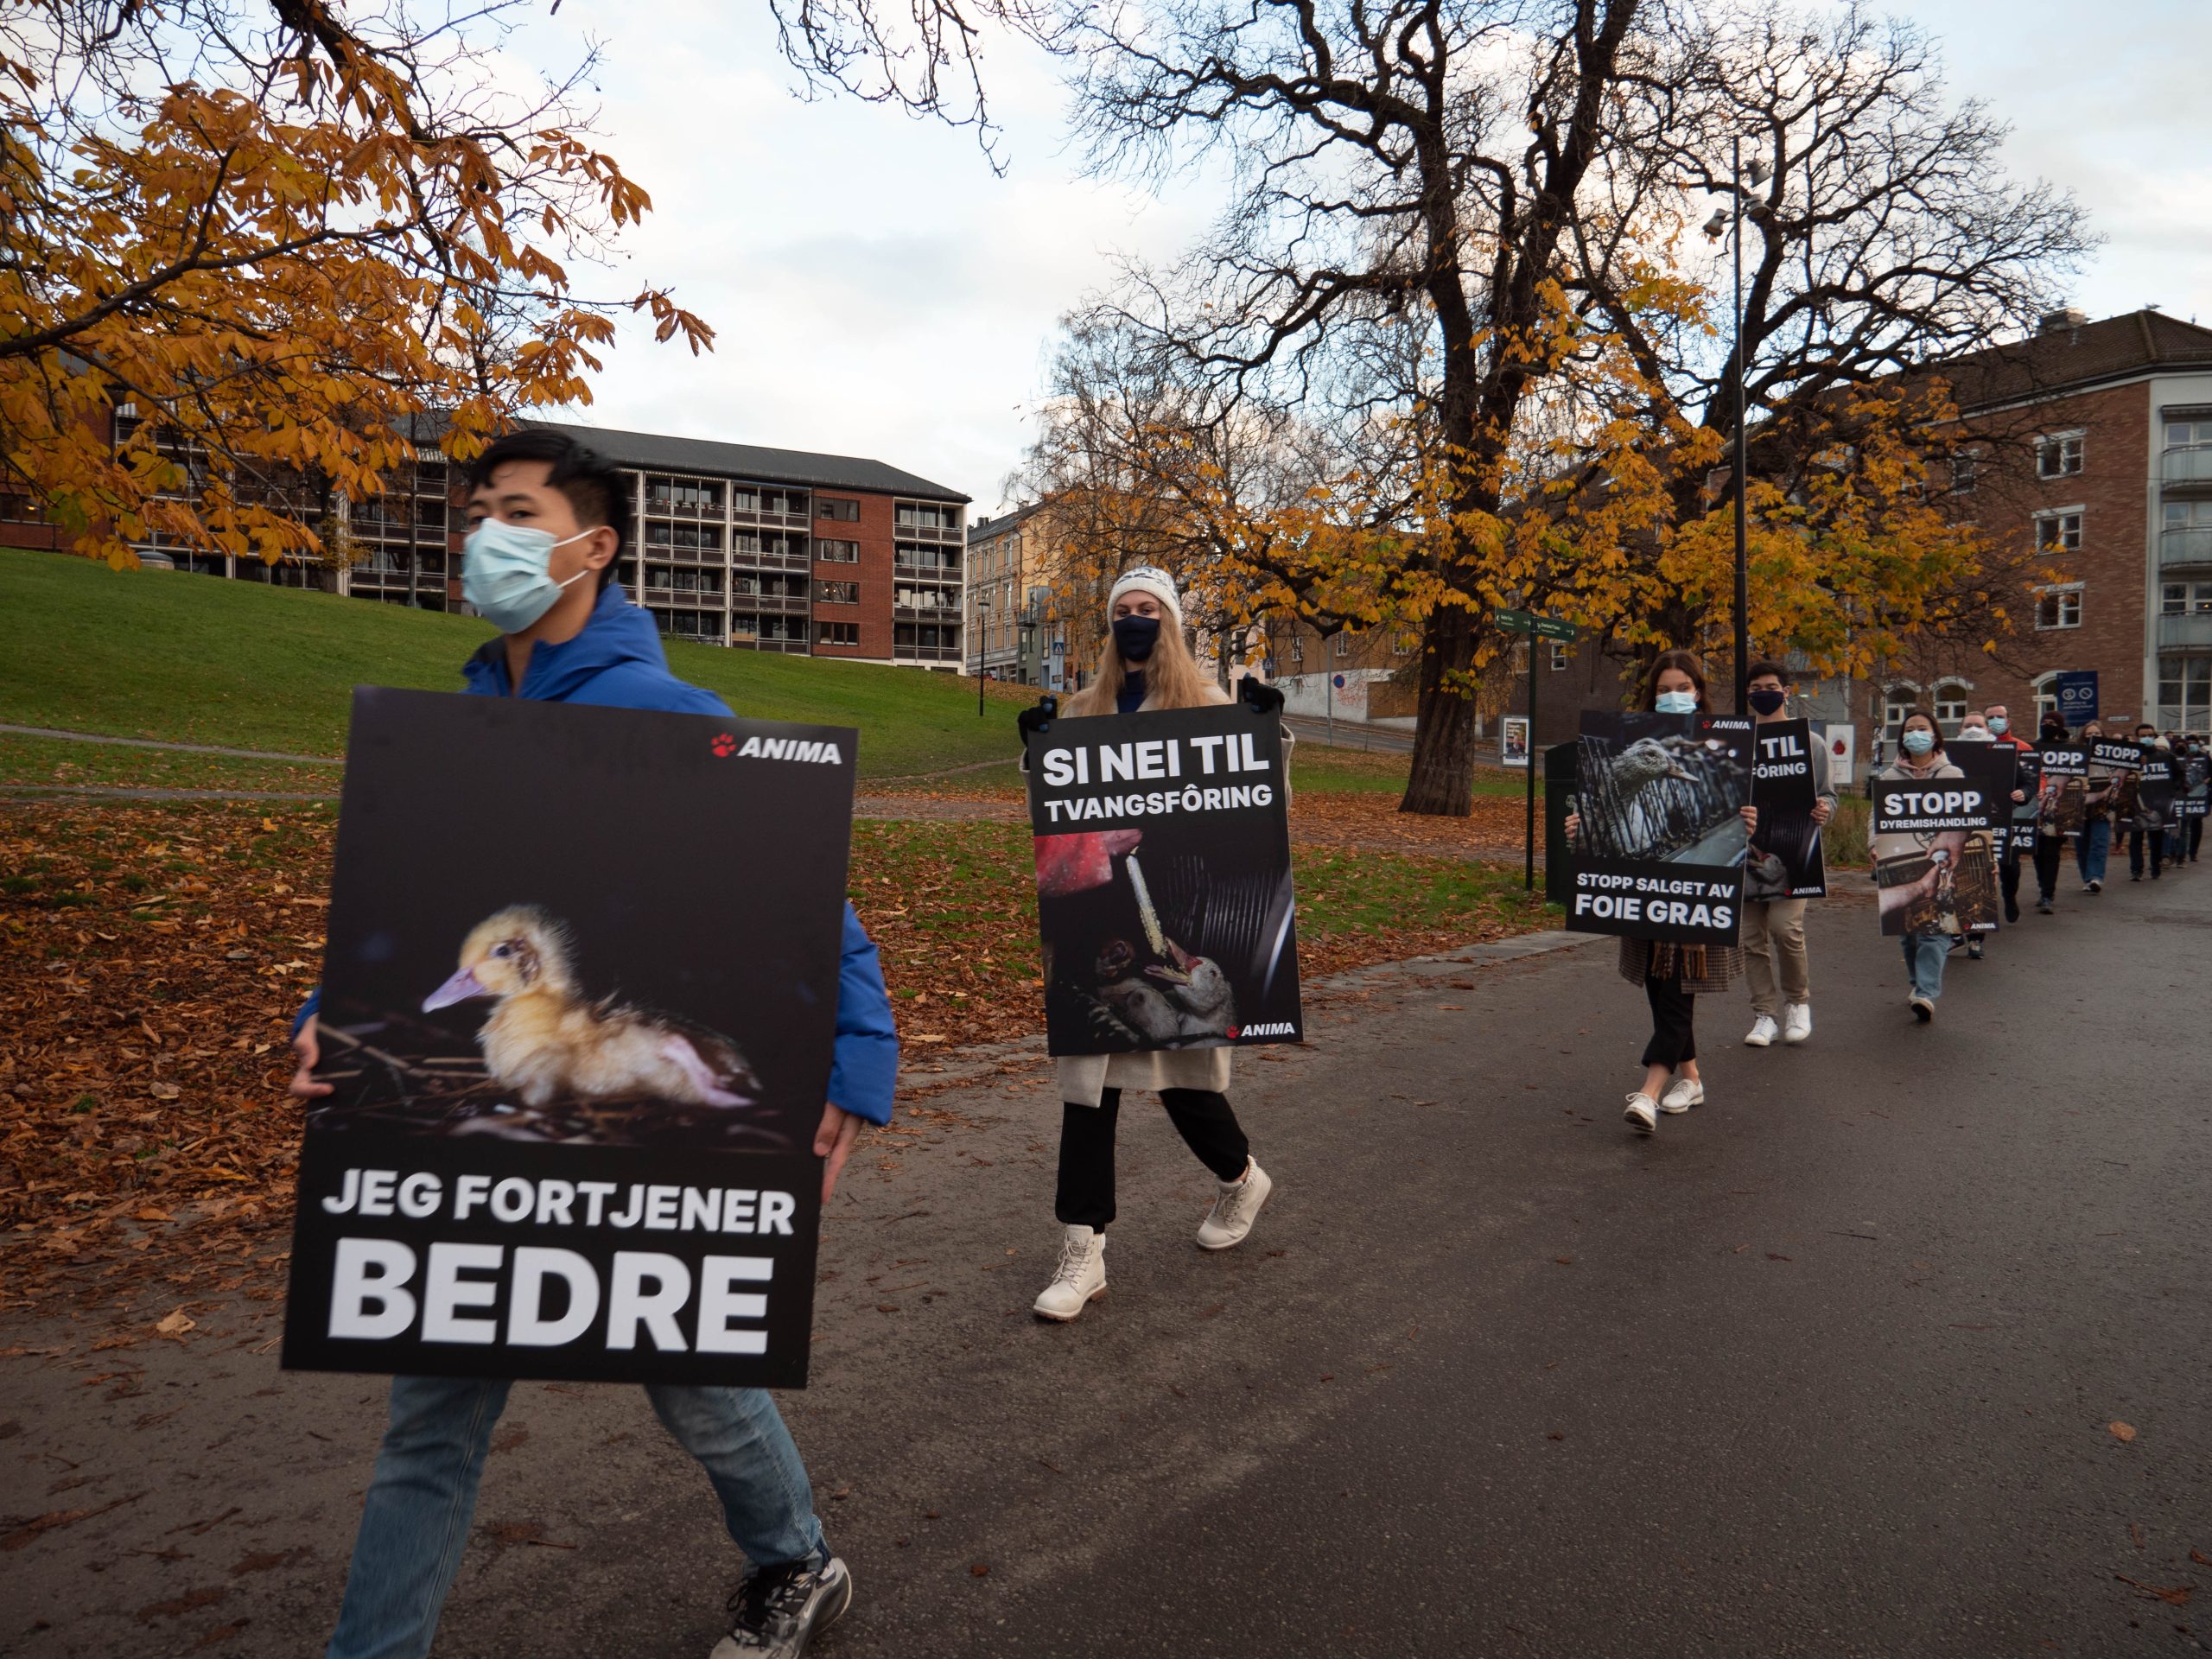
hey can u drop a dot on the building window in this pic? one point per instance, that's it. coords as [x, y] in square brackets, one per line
[2059, 532]
[1559, 657]
[830, 506]
[1344, 644]
[837, 552]
[2046, 690]
[1965, 468]
[2058, 456]
[838, 593]
[2189, 434]
[2185, 694]
[2186, 599]
[1898, 702]
[1297, 648]
[1951, 705]
[2059, 607]
[837, 634]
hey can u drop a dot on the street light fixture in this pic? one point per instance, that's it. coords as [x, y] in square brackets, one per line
[982, 643]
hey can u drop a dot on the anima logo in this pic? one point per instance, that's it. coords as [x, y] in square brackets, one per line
[1270, 1028]
[788, 748]
[724, 746]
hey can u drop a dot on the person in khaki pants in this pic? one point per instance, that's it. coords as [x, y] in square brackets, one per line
[1773, 928]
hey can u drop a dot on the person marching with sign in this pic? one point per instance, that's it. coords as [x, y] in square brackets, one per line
[1920, 760]
[545, 517]
[2147, 824]
[2093, 847]
[1146, 668]
[1672, 975]
[1773, 928]
[1998, 719]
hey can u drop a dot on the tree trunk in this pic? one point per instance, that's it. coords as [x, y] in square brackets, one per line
[1444, 734]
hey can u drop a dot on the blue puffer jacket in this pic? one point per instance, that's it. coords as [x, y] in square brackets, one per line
[617, 662]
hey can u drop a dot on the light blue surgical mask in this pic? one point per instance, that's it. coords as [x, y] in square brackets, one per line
[2000, 725]
[1917, 742]
[505, 573]
[1677, 702]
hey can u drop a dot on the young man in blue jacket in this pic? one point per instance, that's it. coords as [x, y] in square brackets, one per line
[544, 518]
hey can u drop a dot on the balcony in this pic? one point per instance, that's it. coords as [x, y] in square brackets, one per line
[749, 642]
[771, 604]
[2185, 545]
[2182, 468]
[2192, 631]
[940, 653]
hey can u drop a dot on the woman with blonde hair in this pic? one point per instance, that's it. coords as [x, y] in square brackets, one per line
[1146, 665]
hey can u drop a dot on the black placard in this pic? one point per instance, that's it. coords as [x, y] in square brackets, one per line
[2116, 755]
[580, 960]
[1659, 848]
[1786, 861]
[1934, 862]
[1995, 767]
[1165, 903]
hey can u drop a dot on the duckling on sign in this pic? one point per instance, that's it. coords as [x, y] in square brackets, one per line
[545, 1040]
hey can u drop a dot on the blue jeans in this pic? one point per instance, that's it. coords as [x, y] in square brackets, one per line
[2092, 848]
[416, 1518]
[1924, 955]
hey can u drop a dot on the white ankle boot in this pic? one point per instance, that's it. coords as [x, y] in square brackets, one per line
[1233, 1211]
[1081, 1277]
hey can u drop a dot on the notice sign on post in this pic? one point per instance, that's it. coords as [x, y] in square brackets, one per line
[1660, 840]
[1934, 868]
[1785, 859]
[1513, 741]
[1164, 890]
[577, 1013]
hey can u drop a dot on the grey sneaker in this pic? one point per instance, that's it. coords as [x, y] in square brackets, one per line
[779, 1609]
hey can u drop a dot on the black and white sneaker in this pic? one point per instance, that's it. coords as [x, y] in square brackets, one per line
[779, 1609]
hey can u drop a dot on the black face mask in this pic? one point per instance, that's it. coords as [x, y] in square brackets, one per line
[2054, 734]
[1135, 636]
[1769, 702]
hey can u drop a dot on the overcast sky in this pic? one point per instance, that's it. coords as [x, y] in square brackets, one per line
[878, 291]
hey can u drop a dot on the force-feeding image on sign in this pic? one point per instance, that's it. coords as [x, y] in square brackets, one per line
[1935, 869]
[1785, 859]
[1164, 893]
[577, 1014]
[1660, 843]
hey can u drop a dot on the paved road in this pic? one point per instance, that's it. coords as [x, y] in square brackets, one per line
[1350, 735]
[1824, 1369]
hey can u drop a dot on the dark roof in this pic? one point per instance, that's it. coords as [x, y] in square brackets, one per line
[2075, 356]
[657, 452]
[990, 527]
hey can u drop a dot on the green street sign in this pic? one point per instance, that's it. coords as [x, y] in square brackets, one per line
[1546, 627]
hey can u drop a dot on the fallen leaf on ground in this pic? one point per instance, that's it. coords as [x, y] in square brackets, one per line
[2121, 1431]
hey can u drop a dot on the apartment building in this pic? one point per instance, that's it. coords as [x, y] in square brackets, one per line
[727, 543]
[1010, 618]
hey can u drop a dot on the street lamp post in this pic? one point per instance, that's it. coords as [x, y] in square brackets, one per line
[1757, 173]
[982, 643]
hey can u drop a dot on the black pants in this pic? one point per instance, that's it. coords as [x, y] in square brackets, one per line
[2196, 838]
[2049, 850]
[2008, 877]
[2135, 840]
[1673, 1016]
[1086, 1194]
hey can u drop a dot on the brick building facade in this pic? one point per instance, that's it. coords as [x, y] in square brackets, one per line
[731, 545]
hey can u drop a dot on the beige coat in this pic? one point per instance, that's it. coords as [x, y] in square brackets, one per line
[1084, 1079]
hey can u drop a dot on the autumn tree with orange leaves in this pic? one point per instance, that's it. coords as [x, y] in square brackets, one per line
[279, 235]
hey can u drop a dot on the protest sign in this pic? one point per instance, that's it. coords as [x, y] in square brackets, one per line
[1934, 868]
[1661, 845]
[1164, 893]
[578, 1011]
[2154, 788]
[1785, 859]
[2197, 785]
[2116, 753]
[1995, 767]
[2063, 760]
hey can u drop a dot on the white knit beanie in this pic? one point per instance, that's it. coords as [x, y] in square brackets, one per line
[1147, 579]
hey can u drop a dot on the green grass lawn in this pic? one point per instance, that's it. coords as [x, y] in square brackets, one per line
[184, 658]
[1373, 771]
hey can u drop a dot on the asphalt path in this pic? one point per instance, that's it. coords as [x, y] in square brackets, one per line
[1828, 1366]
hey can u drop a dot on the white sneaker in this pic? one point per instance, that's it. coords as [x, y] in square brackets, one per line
[1643, 1113]
[1922, 1009]
[1683, 1095]
[1233, 1211]
[1763, 1031]
[1796, 1022]
[1081, 1277]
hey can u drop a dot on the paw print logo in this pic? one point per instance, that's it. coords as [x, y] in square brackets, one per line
[724, 746]
[1234, 1033]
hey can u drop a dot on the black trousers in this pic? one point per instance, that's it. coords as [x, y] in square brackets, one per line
[2135, 840]
[2196, 838]
[2049, 850]
[1086, 1193]
[2008, 877]
[1673, 1015]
